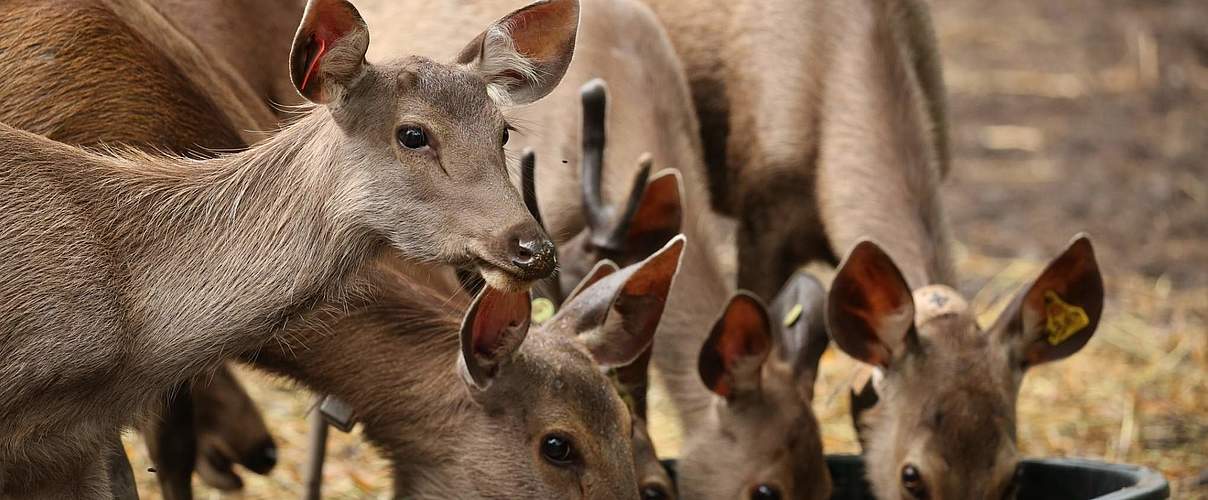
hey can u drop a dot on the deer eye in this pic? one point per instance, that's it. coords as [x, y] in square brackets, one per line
[412, 137]
[912, 481]
[765, 492]
[505, 135]
[557, 450]
[654, 492]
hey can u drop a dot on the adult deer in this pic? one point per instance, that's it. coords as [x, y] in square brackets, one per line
[943, 424]
[501, 410]
[808, 110]
[130, 272]
[62, 82]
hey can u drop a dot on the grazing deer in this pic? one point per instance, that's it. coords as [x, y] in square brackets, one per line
[943, 425]
[809, 109]
[130, 271]
[60, 81]
[507, 411]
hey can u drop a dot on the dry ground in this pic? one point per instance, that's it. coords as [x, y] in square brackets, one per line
[1077, 115]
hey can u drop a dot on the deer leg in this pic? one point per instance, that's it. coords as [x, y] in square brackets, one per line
[121, 476]
[172, 444]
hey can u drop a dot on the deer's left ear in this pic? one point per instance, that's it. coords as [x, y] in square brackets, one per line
[1057, 315]
[328, 54]
[524, 55]
[491, 332]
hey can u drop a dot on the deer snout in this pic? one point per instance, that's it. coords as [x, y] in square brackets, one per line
[532, 253]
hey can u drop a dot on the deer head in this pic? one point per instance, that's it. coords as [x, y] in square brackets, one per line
[760, 439]
[426, 138]
[546, 396]
[944, 422]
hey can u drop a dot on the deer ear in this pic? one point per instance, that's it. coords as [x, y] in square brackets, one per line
[601, 270]
[492, 331]
[617, 316]
[801, 327]
[732, 358]
[870, 310]
[524, 55]
[659, 213]
[1057, 315]
[328, 54]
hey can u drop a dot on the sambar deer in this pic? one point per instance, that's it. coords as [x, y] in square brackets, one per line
[60, 80]
[943, 424]
[809, 109]
[501, 410]
[127, 272]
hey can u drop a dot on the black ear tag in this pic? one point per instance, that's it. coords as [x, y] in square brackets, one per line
[337, 413]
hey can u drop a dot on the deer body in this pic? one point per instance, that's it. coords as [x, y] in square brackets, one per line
[809, 110]
[68, 77]
[129, 272]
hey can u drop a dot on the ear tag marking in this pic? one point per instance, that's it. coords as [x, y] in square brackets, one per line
[1062, 320]
[793, 315]
[543, 310]
[337, 413]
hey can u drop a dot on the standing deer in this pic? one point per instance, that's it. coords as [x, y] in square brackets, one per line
[501, 410]
[126, 272]
[808, 110]
[60, 81]
[943, 425]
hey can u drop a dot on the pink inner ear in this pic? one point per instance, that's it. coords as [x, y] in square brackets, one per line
[314, 61]
[498, 313]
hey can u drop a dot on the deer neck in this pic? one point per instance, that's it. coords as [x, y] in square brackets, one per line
[211, 253]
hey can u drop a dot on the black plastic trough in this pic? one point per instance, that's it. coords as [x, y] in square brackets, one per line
[1040, 479]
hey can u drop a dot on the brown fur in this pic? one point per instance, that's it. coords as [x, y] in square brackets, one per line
[244, 34]
[809, 110]
[78, 88]
[393, 354]
[947, 400]
[132, 271]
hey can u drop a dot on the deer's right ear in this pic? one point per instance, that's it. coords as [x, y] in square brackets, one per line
[524, 55]
[731, 361]
[492, 331]
[328, 53]
[870, 310]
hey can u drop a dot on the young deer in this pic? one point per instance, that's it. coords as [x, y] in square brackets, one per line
[132, 271]
[61, 81]
[508, 411]
[809, 109]
[944, 425]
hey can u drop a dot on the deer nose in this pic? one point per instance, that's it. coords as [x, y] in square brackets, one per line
[533, 254]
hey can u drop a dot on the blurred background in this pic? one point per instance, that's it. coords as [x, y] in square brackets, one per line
[1066, 116]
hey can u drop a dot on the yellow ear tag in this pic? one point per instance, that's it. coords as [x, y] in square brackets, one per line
[1062, 319]
[543, 310]
[793, 315]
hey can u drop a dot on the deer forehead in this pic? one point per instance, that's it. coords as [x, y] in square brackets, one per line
[454, 91]
[560, 373]
[935, 301]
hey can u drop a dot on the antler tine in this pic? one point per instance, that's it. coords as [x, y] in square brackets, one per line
[635, 199]
[528, 184]
[595, 99]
